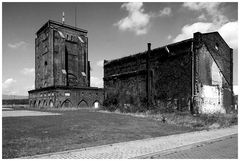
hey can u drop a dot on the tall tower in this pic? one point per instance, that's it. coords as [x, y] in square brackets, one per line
[61, 56]
[62, 69]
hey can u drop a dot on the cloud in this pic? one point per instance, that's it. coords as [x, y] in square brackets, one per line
[169, 37]
[210, 8]
[227, 31]
[202, 17]
[196, 6]
[96, 82]
[100, 63]
[188, 30]
[28, 88]
[7, 86]
[136, 21]
[217, 22]
[28, 71]
[165, 12]
[7, 83]
[18, 45]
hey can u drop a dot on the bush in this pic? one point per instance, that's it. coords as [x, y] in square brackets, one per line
[129, 105]
[201, 121]
[111, 103]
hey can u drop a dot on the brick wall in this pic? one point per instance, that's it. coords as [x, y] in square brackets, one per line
[213, 74]
[67, 97]
[61, 57]
[192, 69]
[170, 77]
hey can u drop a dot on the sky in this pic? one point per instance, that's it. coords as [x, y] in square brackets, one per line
[114, 30]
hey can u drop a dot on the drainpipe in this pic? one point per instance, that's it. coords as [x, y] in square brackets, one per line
[231, 75]
[192, 86]
[148, 75]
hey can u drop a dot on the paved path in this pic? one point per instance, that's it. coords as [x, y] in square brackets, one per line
[225, 148]
[19, 113]
[7, 109]
[134, 149]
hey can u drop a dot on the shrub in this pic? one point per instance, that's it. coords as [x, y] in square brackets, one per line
[111, 103]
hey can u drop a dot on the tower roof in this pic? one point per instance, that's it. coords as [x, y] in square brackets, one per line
[49, 22]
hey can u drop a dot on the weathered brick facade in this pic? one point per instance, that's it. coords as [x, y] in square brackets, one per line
[180, 75]
[62, 69]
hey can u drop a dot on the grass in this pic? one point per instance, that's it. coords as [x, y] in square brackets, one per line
[25, 136]
[185, 119]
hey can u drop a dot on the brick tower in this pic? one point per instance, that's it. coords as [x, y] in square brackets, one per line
[62, 69]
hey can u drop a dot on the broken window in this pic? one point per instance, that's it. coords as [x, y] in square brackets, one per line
[64, 71]
[61, 34]
[72, 38]
[80, 39]
[67, 94]
[83, 74]
[45, 49]
[217, 46]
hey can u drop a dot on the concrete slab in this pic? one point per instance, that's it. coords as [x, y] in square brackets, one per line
[6, 109]
[21, 113]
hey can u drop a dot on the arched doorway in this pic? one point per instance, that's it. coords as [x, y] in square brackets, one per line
[67, 103]
[35, 103]
[83, 104]
[51, 104]
[44, 103]
[96, 104]
[39, 104]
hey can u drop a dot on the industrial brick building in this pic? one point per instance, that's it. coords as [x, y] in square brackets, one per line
[62, 69]
[192, 75]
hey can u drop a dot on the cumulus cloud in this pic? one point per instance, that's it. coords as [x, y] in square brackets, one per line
[100, 63]
[7, 86]
[202, 17]
[188, 30]
[96, 82]
[227, 31]
[28, 71]
[137, 20]
[210, 8]
[17, 45]
[217, 22]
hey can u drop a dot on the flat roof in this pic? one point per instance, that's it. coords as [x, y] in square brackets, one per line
[64, 88]
[152, 50]
[47, 24]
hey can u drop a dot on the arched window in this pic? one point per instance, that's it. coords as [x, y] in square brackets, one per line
[51, 104]
[67, 103]
[82, 104]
